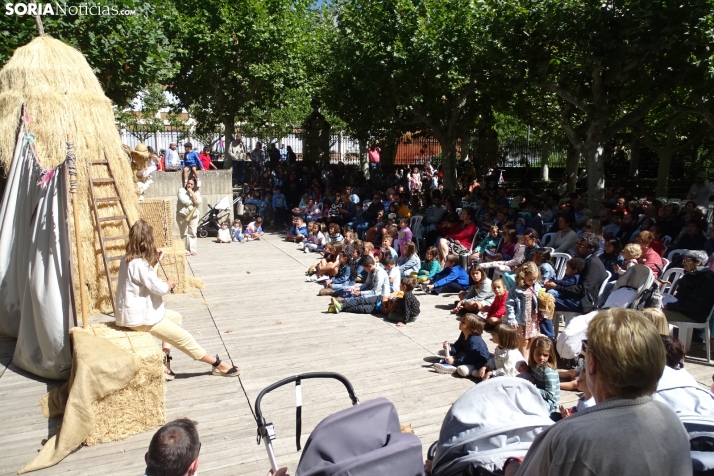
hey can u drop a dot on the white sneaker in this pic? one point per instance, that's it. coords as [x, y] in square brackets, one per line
[311, 279]
[307, 250]
[322, 279]
[444, 368]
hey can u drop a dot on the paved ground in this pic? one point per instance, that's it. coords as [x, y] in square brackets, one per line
[257, 309]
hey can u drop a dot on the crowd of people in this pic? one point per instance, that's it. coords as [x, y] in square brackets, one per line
[384, 243]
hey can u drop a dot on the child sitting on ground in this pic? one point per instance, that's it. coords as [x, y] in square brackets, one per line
[349, 237]
[479, 296]
[572, 276]
[497, 310]
[406, 306]
[585, 400]
[506, 358]
[404, 235]
[387, 246]
[453, 278]
[298, 232]
[224, 234]
[409, 263]
[328, 266]
[254, 230]
[489, 243]
[335, 235]
[631, 253]
[469, 352]
[344, 280]
[315, 240]
[237, 231]
[392, 270]
[541, 257]
[542, 367]
[430, 266]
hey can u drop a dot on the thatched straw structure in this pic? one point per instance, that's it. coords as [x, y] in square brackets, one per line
[63, 98]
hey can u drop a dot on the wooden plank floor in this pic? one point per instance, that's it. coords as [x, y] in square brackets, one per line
[257, 310]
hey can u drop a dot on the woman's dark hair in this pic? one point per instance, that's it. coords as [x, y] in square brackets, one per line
[531, 233]
[568, 217]
[616, 244]
[675, 352]
[351, 262]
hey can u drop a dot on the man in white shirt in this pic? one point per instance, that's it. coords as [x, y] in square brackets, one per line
[172, 161]
[237, 155]
[701, 190]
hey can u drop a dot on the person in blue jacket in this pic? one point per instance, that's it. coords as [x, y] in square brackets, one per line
[190, 162]
[453, 278]
[469, 352]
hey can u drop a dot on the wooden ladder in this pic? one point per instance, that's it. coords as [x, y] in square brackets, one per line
[93, 182]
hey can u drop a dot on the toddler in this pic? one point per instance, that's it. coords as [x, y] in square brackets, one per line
[406, 306]
[404, 235]
[280, 208]
[392, 270]
[237, 231]
[224, 234]
[469, 352]
[315, 240]
[298, 232]
[409, 263]
[497, 309]
[542, 365]
[522, 304]
[506, 358]
[387, 246]
[573, 268]
[585, 400]
[541, 257]
[430, 266]
[630, 253]
[254, 230]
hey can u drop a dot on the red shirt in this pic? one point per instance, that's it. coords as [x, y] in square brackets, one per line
[650, 259]
[498, 306]
[658, 246]
[463, 235]
[205, 160]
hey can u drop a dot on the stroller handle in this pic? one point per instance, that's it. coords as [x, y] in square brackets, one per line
[309, 375]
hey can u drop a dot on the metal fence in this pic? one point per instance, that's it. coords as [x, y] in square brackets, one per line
[517, 151]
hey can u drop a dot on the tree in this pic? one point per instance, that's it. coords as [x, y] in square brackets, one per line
[142, 118]
[236, 56]
[126, 52]
[611, 62]
[403, 65]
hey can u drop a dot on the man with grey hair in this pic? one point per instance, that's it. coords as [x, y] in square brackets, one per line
[694, 290]
[591, 278]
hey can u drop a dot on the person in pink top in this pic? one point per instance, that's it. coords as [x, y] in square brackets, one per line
[460, 237]
[404, 235]
[649, 257]
[374, 153]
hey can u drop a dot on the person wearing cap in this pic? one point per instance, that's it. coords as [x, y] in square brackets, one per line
[191, 162]
[694, 290]
[172, 161]
[701, 190]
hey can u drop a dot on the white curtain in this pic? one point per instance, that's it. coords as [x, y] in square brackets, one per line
[36, 302]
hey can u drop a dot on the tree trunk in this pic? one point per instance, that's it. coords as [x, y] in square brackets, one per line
[363, 159]
[448, 162]
[635, 157]
[665, 163]
[571, 167]
[229, 129]
[544, 161]
[595, 152]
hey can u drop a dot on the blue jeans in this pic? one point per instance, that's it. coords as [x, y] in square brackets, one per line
[238, 172]
[361, 228]
[546, 327]
[565, 304]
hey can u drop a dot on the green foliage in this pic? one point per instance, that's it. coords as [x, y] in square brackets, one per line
[126, 52]
[144, 120]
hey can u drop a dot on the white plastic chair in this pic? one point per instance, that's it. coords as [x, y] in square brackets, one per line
[559, 262]
[666, 239]
[674, 253]
[662, 199]
[710, 212]
[474, 242]
[685, 333]
[547, 238]
[672, 275]
[665, 263]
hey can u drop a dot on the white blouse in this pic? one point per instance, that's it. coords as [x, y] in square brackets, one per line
[139, 295]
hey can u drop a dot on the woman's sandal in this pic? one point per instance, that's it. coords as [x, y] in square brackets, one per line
[168, 373]
[232, 372]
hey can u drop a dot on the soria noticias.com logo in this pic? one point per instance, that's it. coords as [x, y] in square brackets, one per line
[57, 8]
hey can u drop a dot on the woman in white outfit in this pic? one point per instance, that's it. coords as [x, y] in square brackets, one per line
[187, 215]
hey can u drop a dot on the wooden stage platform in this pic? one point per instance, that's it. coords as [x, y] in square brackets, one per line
[257, 310]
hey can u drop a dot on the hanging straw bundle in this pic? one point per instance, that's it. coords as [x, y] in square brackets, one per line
[63, 98]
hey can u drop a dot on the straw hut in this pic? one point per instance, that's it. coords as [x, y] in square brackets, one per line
[62, 98]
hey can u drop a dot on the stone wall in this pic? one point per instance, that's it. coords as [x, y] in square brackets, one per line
[215, 184]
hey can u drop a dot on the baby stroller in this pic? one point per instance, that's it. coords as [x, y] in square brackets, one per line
[210, 223]
[362, 440]
[494, 420]
[630, 288]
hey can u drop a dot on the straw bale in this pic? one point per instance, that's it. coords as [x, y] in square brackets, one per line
[62, 98]
[194, 282]
[140, 405]
[173, 265]
[157, 212]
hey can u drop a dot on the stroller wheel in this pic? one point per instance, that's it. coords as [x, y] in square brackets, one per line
[202, 233]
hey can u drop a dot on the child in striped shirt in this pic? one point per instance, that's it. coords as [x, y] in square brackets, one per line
[542, 367]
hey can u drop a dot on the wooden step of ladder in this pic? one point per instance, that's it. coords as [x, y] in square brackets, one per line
[101, 220]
